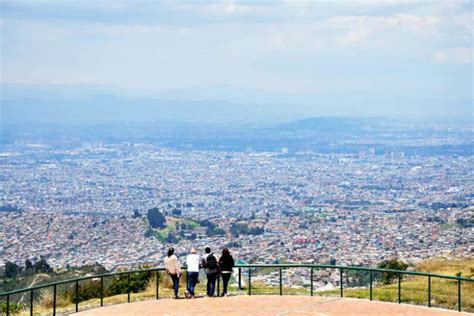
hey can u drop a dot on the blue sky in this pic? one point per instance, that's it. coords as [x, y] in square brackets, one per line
[391, 58]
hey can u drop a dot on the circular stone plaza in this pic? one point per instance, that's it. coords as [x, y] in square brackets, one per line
[263, 305]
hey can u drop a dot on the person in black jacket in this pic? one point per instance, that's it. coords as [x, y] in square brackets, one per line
[226, 264]
[210, 263]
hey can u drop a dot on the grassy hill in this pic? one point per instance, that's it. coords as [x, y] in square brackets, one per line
[171, 222]
[415, 288]
[25, 280]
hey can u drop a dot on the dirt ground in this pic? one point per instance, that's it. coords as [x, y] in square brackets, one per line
[263, 305]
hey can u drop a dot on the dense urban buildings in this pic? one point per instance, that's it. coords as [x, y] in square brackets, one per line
[89, 204]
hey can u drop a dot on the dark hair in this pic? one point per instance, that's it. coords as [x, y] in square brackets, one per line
[225, 252]
[207, 250]
[170, 251]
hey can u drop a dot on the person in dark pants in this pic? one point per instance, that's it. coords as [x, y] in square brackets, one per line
[211, 284]
[209, 262]
[173, 268]
[226, 264]
[192, 262]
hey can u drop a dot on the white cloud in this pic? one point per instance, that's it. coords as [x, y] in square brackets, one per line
[216, 8]
[454, 56]
[293, 47]
[355, 36]
[401, 21]
[229, 7]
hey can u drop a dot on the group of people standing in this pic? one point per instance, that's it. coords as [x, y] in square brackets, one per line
[194, 262]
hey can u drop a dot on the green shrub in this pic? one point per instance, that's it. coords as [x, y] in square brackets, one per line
[86, 291]
[138, 283]
[15, 308]
[394, 264]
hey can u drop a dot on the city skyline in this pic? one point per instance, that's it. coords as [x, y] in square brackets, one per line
[344, 189]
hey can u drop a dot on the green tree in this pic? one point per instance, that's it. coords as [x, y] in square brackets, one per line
[394, 264]
[29, 269]
[11, 269]
[215, 232]
[156, 218]
[207, 223]
[149, 233]
[42, 266]
[136, 214]
[237, 229]
[171, 239]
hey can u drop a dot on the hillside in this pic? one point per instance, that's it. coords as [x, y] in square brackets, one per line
[415, 289]
[25, 280]
[176, 229]
[448, 266]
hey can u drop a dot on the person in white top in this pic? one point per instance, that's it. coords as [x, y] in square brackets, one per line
[192, 262]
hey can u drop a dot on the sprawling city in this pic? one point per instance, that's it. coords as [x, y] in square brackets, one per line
[290, 157]
[88, 204]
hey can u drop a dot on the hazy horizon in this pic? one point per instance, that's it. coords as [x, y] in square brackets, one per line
[277, 61]
[80, 103]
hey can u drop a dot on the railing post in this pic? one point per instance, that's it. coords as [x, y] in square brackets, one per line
[31, 302]
[101, 291]
[240, 278]
[340, 281]
[77, 296]
[429, 290]
[311, 276]
[370, 284]
[8, 305]
[399, 288]
[157, 284]
[281, 282]
[128, 287]
[54, 300]
[250, 281]
[459, 295]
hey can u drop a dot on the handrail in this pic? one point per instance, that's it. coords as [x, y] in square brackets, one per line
[328, 266]
[89, 277]
[341, 268]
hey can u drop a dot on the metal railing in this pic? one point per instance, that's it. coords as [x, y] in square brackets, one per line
[248, 268]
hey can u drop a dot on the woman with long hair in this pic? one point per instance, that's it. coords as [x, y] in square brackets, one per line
[173, 269]
[226, 264]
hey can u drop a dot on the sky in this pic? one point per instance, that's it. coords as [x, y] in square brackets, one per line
[365, 58]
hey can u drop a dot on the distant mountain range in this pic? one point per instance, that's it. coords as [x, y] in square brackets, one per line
[323, 124]
[84, 103]
[112, 108]
[92, 104]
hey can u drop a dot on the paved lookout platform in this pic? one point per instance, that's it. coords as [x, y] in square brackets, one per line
[263, 305]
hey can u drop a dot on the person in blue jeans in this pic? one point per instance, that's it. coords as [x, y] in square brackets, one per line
[192, 263]
[173, 268]
[209, 262]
